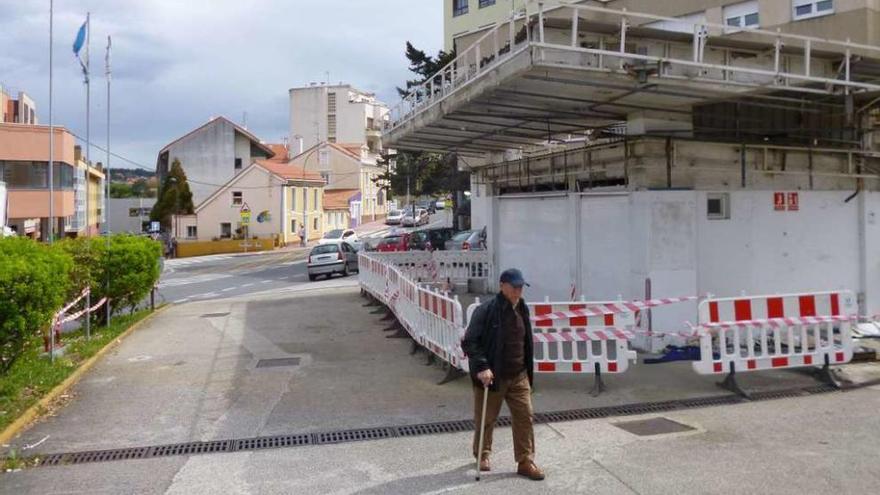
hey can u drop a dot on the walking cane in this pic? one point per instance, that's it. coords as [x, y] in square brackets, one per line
[482, 429]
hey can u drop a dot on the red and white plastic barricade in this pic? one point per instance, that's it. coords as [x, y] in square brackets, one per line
[581, 344]
[753, 333]
[443, 323]
[433, 319]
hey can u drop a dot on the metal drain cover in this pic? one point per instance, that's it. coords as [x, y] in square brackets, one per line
[215, 315]
[653, 426]
[277, 363]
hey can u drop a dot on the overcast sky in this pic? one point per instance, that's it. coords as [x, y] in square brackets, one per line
[177, 63]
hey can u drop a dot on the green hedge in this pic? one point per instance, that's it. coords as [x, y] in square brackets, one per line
[36, 280]
[130, 264]
[34, 283]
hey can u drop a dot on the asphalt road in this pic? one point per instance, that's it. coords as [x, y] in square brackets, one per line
[222, 276]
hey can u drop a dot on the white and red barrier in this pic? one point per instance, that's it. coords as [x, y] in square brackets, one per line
[582, 343]
[433, 319]
[743, 334]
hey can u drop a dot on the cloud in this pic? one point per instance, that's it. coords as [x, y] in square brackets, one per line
[176, 64]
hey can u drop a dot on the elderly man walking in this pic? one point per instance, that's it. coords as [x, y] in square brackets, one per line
[498, 343]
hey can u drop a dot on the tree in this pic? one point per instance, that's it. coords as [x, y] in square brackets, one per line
[120, 190]
[175, 198]
[424, 65]
[428, 174]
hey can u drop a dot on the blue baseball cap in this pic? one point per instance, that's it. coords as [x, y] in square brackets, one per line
[513, 277]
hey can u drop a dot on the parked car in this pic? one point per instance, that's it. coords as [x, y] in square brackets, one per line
[393, 243]
[394, 217]
[467, 240]
[421, 218]
[440, 204]
[339, 235]
[422, 240]
[327, 259]
[428, 205]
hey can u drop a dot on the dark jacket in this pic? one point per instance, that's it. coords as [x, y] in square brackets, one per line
[484, 344]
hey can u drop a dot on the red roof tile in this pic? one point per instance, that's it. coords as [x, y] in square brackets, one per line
[291, 172]
[337, 199]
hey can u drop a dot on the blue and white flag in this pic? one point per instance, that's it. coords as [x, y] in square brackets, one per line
[79, 43]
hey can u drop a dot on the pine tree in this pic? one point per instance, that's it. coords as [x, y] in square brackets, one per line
[175, 198]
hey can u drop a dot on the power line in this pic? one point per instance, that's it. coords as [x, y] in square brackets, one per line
[143, 167]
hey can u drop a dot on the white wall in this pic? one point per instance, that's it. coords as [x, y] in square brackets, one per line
[259, 190]
[609, 244]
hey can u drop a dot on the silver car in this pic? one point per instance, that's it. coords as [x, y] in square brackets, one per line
[327, 259]
[467, 240]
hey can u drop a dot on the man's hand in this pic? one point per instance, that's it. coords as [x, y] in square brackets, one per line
[486, 377]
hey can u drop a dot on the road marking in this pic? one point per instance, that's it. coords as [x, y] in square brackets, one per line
[181, 301]
[248, 285]
[266, 281]
[228, 289]
[198, 279]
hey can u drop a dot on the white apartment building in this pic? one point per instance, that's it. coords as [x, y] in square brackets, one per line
[336, 114]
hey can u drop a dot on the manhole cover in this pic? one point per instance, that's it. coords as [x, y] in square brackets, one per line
[215, 315]
[653, 426]
[276, 363]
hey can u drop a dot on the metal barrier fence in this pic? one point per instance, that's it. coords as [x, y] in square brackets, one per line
[744, 334]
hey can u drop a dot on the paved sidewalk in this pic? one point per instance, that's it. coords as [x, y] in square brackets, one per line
[191, 375]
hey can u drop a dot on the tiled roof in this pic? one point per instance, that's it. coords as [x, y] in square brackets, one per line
[291, 172]
[281, 153]
[338, 199]
[351, 151]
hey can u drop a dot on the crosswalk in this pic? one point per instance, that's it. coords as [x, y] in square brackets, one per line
[196, 279]
[183, 262]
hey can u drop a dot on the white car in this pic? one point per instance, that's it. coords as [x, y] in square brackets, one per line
[420, 218]
[339, 235]
[441, 204]
[394, 217]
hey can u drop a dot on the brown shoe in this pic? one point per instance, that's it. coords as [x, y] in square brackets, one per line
[484, 464]
[530, 471]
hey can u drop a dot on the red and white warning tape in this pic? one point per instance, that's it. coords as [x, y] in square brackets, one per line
[73, 303]
[76, 315]
[779, 322]
[612, 308]
[586, 334]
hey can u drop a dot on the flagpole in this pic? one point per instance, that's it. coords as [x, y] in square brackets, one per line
[88, 160]
[107, 173]
[51, 131]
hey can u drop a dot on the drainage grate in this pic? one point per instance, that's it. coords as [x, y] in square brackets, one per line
[190, 448]
[215, 315]
[106, 455]
[277, 363]
[354, 435]
[653, 426]
[275, 442]
[366, 434]
[435, 428]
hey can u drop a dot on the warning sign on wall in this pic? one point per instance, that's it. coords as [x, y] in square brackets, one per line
[779, 201]
[793, 204]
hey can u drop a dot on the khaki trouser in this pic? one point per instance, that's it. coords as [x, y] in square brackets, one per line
[517, 393]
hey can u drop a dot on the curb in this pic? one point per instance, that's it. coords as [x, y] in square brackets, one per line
[33, 412]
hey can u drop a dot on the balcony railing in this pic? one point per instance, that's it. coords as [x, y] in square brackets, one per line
[527, 32]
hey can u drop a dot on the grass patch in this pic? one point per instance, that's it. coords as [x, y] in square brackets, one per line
[33, 376]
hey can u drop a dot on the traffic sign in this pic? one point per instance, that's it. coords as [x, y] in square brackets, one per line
[245, 214]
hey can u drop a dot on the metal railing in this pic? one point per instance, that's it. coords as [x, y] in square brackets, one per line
[504, 40]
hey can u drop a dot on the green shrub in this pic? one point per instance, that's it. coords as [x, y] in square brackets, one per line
[34, 282]
[131, 262]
